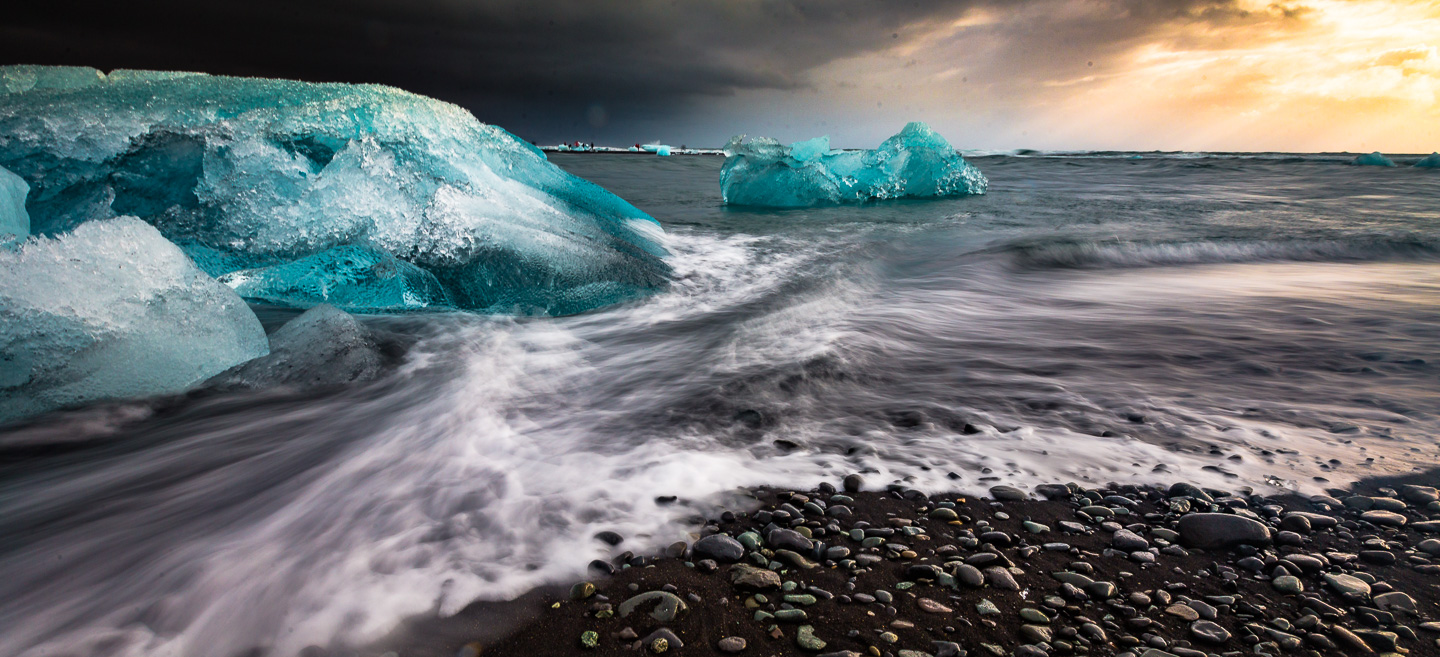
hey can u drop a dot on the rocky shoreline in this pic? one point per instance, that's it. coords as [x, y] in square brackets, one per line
[1135, 571]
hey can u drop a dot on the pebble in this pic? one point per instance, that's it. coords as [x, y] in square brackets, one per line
[806, 639]
[589, 639]
[1183, 611]
[1348, 585]
[986, 608]
[1288, 584]
[756, 578]
[1209, 631]
[667, 605]
[1007, 493]
[1001, 579]
[1221, 530]
[732, 644]
[1384, 518]
[930, 606]
[719, 547]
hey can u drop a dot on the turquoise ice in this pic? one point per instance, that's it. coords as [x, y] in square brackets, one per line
[1431, 161]
[112, 310]
[351, 277]
[14, 220]
[247, 173]
[1376, 159]
[916, 163]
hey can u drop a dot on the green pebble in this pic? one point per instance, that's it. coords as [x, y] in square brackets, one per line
[804, 531]
[1288, 584]
[750, 540]
[806, 639]
[1034, 527]
[790, 615]
[760, 598]
[801, 599]
[873, 541]
[944, 515]
[590, 639]
[904, 585]
[789, 586]
[986, 608]
[857, 534]
[761, 615]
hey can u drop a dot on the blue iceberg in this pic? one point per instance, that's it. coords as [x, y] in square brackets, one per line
[112, 310]
[355, 278]
[1375, 159]
[1431, 161]
[14, 220]
[248, 173]
[916, 163]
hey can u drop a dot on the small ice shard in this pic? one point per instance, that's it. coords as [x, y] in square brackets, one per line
[112, 310]
[1431, 161]
[247, 173]
[323, 346]
[658, 149]
[663, 151]
[14, 220]
[1375, 159]
[356, 278]
[916, 163]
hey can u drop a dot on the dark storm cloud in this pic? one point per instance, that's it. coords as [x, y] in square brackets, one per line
[539, 68]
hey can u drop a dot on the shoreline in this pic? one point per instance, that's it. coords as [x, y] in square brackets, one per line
[959, 575]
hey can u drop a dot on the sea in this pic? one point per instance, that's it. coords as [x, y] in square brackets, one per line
[1269, 321]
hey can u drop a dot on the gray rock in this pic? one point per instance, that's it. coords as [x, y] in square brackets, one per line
[1429, 546]
[749, 576]
[1419, 494]
[672, 641]
[1209, 631]
[1183, 489]
[1129, 541]
[731, 644]
[1385, 518]
[853, 482]
[1396, 600]
[667, 605]
[324, 346]
[1221, 530]
[1001, 578]
[1347, 585]
[788, 539]
[969, 575]
[1288, 584]
[1007, 493]
[719, 547]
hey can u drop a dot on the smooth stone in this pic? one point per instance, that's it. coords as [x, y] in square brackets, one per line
[1007, 493]
[1348, 585]
[669, 639]
[1032, 615]
[1129, 541]
[1288, 584]
[852, 483]
[732, 644]
[1183, 611]
[1221, 530]
[582, 590]
[667, 605]
[1209, 631]
[791, 615]
[1384, 518]
[944, 515]
[1396, 600]
[932, 607]
[1035, 633]
[719, 547]
[969, 575]
[1419, 494]
[1001, 578]
[986, 608]
[788, 539]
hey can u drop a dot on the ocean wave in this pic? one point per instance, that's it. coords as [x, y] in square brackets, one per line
[1107, 255]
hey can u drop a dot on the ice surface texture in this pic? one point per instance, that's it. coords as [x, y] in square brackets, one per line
[14, 220]
[1375, 159]
[918, 162]
[1431, 161]
[349, 276]
[112, 310]
[245, 173]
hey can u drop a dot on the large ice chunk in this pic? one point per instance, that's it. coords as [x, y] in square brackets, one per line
[917, 162]
[14, 220]
[112, 310]
[1431, 161]
[353, 277]
[246, 173]
[1376, 159]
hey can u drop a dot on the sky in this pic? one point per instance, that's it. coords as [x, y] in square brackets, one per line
[1219, 75]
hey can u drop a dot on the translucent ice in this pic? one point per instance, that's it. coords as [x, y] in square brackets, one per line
[323, 346]
[1431, 161]
[917, 162]
[112, 310]
[247, 173]
[353, 277]
[1375, 159]
[14, 220]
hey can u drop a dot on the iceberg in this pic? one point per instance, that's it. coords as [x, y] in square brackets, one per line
[112, 310]
[1375, 159]
[356, 278]
[247, 173]
[916, 163]
[14, 220]
[324, 346]
[1431, 161]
